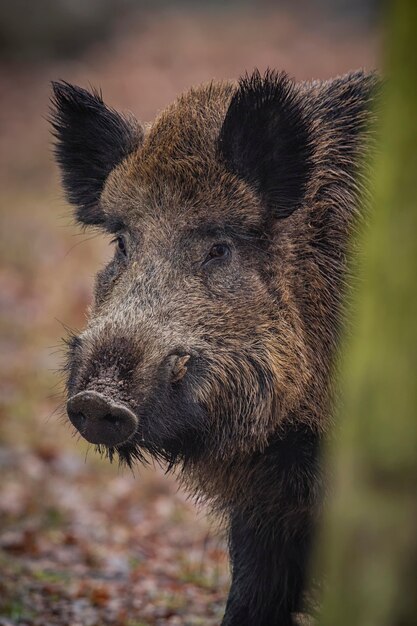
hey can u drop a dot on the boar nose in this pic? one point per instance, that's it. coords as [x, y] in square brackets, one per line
[100, 420]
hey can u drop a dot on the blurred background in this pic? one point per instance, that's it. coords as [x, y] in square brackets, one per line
[82, 542]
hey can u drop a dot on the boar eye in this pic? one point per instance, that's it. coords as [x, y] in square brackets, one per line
[219, 251]
[121, 244]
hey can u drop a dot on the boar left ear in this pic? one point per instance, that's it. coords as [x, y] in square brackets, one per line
[91, 139]
[265, 140]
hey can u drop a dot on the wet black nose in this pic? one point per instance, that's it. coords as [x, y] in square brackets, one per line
[100, 420]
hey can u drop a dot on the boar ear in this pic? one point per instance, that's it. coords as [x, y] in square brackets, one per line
[91, 139]
[265, 140]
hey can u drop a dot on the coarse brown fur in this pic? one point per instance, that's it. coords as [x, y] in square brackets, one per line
[226, 361]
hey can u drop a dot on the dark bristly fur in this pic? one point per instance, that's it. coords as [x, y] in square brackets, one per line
[218, 318]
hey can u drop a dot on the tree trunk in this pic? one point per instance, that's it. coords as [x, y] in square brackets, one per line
[368, 543]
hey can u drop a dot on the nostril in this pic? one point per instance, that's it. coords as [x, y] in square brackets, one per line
[78, 420]
[112, 419]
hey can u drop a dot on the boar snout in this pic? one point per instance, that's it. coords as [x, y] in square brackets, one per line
[100, 420]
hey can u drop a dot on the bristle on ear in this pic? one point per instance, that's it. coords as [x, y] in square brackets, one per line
[265, 140]
[91, 139]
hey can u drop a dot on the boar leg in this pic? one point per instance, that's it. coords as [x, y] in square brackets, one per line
[267, 574]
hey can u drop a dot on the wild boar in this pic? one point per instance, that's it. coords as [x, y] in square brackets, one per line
[214, 328]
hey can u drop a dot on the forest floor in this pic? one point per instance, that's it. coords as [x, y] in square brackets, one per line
[83, 543]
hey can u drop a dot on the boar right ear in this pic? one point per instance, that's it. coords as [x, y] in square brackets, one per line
[265, 140]
[91, 139]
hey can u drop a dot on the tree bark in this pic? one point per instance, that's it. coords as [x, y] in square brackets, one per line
[368, 543]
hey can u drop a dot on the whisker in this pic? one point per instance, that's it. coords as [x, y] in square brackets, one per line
[81, 242]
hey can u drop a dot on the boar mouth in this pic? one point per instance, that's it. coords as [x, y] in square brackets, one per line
[100, 420]
[167, 422]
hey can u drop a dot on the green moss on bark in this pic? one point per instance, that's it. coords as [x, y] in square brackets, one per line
[369, 539]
